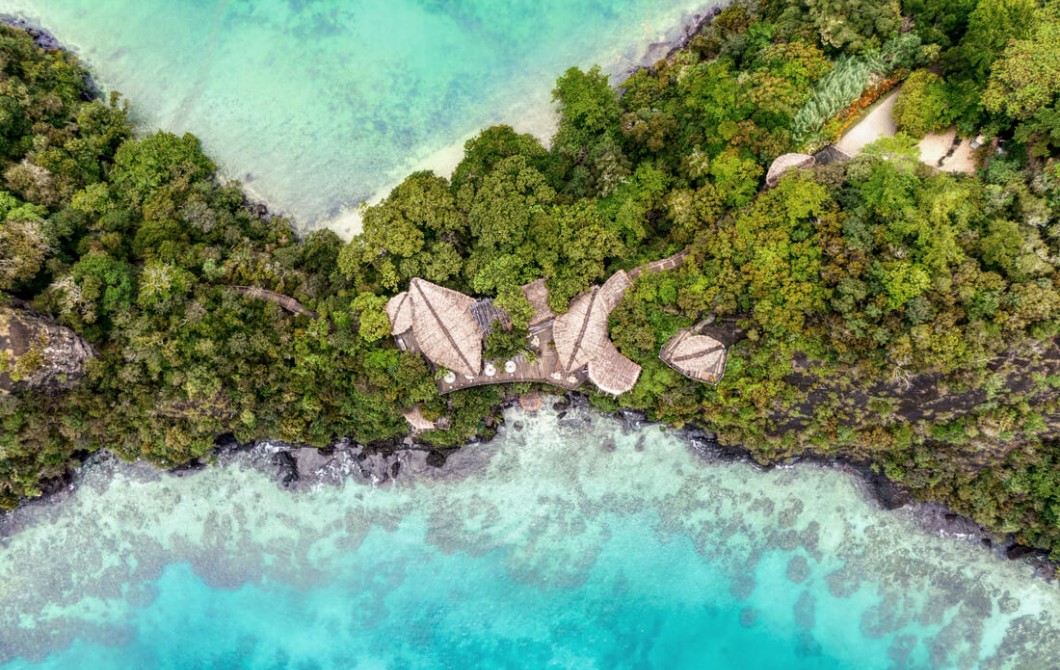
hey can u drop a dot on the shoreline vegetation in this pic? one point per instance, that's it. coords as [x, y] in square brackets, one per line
[887, 314]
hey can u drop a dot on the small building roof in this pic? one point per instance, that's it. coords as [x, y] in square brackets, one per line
[612, 372]
[698, 357]
[787, 162]
[445, 329]
[537, 293]
[399, 310]
[417, 421]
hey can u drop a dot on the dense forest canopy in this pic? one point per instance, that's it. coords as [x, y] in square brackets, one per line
[880, 309]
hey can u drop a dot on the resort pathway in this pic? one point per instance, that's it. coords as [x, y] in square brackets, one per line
[877, 123]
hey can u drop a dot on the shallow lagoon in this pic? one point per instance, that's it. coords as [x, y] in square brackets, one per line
[565, 543]
[319, 104]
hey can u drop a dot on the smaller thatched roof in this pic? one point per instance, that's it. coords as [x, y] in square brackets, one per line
[787, 162]
[537, 293]
[612, 372]
[530, 402]
[445, 329]
[487, 314]
[418, 422]
[399, 310]
[697, 357]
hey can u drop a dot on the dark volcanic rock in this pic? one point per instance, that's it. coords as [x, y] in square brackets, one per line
[288, 466]
[41, 37]
[436, 459]
[37, 354]
[1018, 551]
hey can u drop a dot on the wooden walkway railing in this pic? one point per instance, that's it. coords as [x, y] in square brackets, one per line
[661, 265]
[284, 301]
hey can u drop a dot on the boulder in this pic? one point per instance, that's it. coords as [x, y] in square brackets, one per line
[37, 354]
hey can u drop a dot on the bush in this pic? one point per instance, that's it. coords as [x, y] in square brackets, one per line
[921, 107]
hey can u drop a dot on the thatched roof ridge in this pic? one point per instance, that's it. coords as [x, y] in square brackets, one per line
[579, 334]
[614, 289]
[612, 372]
[537, 293]
[445, 329]
[698, 357]
[787, 162]
[399, 310]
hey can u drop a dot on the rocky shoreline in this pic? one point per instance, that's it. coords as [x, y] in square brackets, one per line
[297, 468]
[41, 37]
[300, 468]
[49, 42]
[666, 49]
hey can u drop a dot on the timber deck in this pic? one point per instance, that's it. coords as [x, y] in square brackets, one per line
[545, 369]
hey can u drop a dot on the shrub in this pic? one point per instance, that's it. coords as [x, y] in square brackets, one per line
[921, 107]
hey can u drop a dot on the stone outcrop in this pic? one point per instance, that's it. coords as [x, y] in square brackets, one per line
[302, 468]
[37, 354]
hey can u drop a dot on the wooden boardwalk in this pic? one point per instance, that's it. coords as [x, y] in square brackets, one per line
[661, 265]
[545, 369]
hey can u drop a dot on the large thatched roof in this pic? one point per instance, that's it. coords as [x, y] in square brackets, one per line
[697, 357]
[787, 162]
[445, 330]
[537, 293]
[581, 332]
[612, 372]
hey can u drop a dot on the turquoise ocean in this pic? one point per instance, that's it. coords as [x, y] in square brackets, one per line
[571, 540]
[317, 105]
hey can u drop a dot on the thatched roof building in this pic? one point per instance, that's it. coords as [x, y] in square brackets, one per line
[582, 339]
[613, 373]
[698, 357]
[787, 162]
[445, 329]
[449, 329]
[580, 333]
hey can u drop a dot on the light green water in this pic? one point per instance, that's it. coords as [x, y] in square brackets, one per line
[566, 543]
[319, 104]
